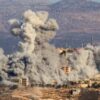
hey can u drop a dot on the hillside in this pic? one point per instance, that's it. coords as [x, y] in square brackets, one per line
[76, 18]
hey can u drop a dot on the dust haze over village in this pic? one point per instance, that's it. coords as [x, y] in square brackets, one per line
[49, 47]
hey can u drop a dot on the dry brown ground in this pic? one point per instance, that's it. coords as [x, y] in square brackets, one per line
[38, 93]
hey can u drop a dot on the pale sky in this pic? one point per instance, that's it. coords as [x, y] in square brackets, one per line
[44, 2]
[96, 1]
[54, 1]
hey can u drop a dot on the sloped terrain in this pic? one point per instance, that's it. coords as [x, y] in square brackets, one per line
[76, 18]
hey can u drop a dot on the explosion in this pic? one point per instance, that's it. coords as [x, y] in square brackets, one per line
[40, 61]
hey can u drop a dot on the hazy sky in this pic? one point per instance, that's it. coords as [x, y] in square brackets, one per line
[96, 1]
[34, 2]
[54, 1]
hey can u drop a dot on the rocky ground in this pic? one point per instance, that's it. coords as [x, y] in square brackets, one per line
[40, 93]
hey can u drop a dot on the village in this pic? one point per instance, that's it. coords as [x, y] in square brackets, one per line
[73, 90]
[40, 71]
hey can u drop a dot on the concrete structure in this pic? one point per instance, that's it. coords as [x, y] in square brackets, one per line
[24, 81]
[15, 80]
[66, 69]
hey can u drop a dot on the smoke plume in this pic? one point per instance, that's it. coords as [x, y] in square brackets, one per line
[40, 61]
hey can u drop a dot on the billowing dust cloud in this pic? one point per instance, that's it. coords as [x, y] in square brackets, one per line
[40, 61]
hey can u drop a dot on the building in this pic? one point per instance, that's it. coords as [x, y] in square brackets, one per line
[24, 81]
[15, 80]
[66, 69]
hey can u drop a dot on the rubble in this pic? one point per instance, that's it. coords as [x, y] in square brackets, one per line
[24, 81]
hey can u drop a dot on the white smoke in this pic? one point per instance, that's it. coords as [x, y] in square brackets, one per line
[39, 60]
[3, 66]
[83, 64]
[36, 59]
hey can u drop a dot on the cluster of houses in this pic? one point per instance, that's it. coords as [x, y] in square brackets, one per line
[21, 82]
[24, 81]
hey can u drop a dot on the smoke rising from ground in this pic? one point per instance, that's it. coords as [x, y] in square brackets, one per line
[83, 64]
[40, 61]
